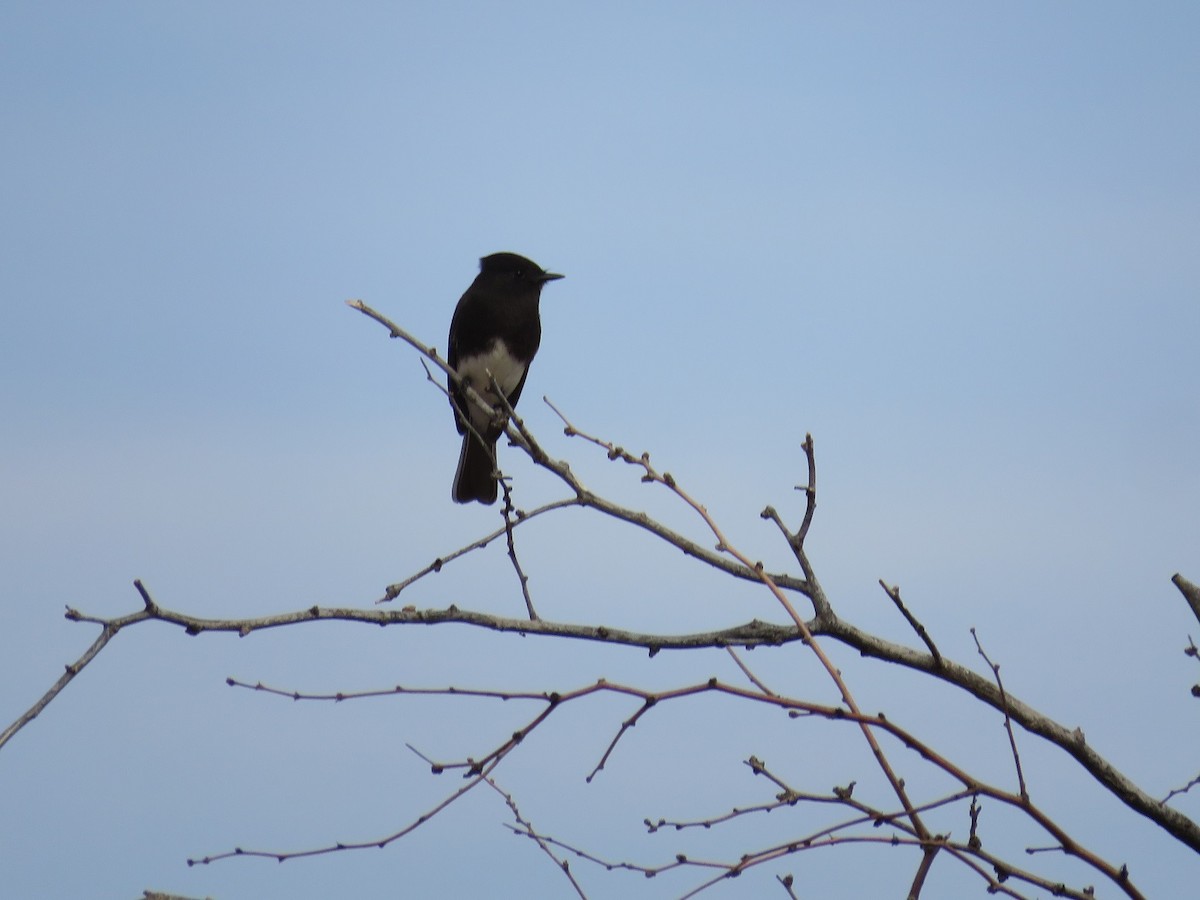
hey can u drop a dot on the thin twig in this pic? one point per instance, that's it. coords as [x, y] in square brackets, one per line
[650, 474]
[795, 540]
[1012, 740]
[625, 726]
[973, 839]
[71, 670]
[509, 512]
[1178, 825]
[517, 432]
[393, 590]
[529, 831]
[840, 796]
[810, 491]
[342, 696]
[736, 813]
[750, 675]
[284, 856]
[651, 699]
[733, 869]
[476, 770]
[108, 630]
[894, 593]
[1175, 792]
[929, 846]
[759, 767]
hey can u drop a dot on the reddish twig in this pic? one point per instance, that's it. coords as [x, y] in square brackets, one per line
[651, 699]
[754, 680]
[393, 590]
[527, 829]
[652, 475]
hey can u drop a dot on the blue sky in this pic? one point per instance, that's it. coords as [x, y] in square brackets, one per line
[956, 242]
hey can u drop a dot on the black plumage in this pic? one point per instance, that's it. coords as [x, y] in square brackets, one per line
[495, 333]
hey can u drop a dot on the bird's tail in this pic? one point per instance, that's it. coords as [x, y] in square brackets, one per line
[473, 480]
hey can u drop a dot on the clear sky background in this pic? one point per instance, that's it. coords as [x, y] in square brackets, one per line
[959, 243]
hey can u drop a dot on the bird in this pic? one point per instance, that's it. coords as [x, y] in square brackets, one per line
[494, 334]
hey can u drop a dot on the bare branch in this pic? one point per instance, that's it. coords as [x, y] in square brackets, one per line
[1190, 591]
[750, 675]
[341, 696]
[393, 590]
[810, 492]
[923, 867]
[724, 546]
[751, 634]
[821, 605]
[72, 669]
[1182, 828]
[284, 856]
[827, 624]
[520, 435]
[509, 511]
[647, 705]
[902, 819]
[894, 593]
[528, 830]
[975, 809]
[1012, 740]
[1181, 790]
[108, 631]
[553, 701]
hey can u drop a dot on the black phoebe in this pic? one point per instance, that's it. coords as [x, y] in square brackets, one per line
[494, 334]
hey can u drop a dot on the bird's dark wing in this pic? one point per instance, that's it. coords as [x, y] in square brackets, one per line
[459, 325]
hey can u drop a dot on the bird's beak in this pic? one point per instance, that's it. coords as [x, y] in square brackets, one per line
[550, 276]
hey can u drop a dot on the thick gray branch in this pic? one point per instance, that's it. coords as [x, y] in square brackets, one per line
[751, 634]
[1174, 822]
[1191, 593]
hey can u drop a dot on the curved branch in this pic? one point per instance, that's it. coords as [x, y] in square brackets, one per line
[556, 700]
[72, 669]
[1190, 591]
[751, 634]
[1172, 821]
[826, 623]
[517, 432]
[754, 633]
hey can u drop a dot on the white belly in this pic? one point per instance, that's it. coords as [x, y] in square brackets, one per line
[478, 371]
